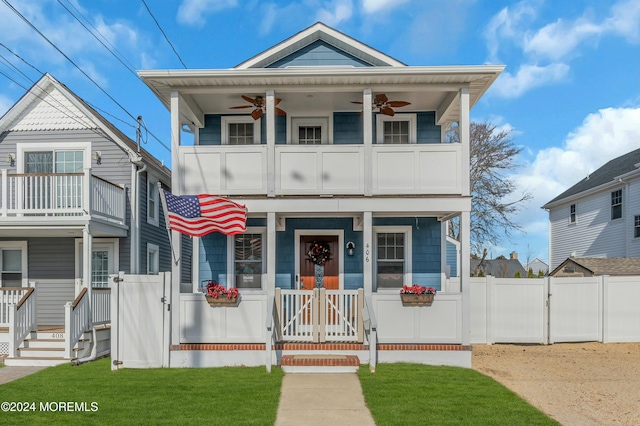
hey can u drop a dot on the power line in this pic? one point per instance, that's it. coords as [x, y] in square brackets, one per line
[20, 57]
[163, 33]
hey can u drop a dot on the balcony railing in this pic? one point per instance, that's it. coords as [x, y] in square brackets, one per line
[61, 194]
[323, 169]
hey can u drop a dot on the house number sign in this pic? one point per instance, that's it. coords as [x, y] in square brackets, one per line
[366, 259]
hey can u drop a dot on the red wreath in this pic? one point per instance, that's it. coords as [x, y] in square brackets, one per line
[319, 253]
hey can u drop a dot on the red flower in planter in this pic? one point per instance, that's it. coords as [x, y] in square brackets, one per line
[217, 291]
[417, 289]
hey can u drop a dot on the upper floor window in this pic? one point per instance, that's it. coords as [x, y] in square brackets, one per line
[153, 208]
[636, 226]
[399, 129]
[310, 130]
[572, 213]
[240, 130]
[248, 259]
[616, 204]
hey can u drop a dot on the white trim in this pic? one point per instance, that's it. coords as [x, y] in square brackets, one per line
[23, 147]
[225, 120]
[325, 123]
[110, 244]
[23, 247]
[155, 268]
[408, 254]
[320, 232]
[152, 182]
[411, 118]
[231, 258]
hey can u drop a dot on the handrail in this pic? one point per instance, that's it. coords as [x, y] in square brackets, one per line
[270, 309]
[29, 292]
[79, 297]
[373, 323]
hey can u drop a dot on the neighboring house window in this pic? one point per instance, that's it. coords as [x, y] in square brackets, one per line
[240, 130]
[310, 130]
[616, 204]
[399, 129]
[636, 226]
[392, 257]
[153, 259]
[153, 208]
[248, 259]
[13, 263]
[572, 214]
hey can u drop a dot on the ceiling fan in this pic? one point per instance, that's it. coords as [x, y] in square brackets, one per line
[259, 104]
[384, 105]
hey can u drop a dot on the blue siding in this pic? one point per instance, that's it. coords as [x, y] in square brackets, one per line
[319, 53]
[347, 128]
[427, 130]
[212, 262]
[211, 133]
[452, 258]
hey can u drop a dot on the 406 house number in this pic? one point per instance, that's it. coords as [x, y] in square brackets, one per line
[366, 253]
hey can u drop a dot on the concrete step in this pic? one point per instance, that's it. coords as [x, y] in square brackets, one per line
[44, 343]
[40, 352]
[30, 361]
[320, 363]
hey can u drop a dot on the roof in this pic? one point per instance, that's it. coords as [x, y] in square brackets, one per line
[501, 268]
[608, 173]
[75, 114]
[605, 266]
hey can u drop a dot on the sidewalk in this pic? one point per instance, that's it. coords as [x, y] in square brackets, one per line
[10, 373]
[322, 399]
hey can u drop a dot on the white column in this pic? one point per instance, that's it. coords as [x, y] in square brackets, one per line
[465, 273]
[367, 251]
[271, 254]
[271, 143]
[464, 140]
[367, 135]
[87, 247]
[176, 188]
[443, 249]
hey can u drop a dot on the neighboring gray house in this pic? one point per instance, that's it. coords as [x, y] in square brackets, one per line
[537, 265]
[73, 187]
[598, 216]
[499, 268]
[592, 266]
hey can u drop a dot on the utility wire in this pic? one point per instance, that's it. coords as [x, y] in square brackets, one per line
[20, 57]
[163, 33]
[9, 64]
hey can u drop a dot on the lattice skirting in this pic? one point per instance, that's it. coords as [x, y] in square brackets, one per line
[4, 348]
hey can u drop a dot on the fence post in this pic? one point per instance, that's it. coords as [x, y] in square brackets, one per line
[550, 308]
[279, 314]
[115, 319]
[545, 313]
[358, 313]
[321, 294]
[604, 309]
[489, 284]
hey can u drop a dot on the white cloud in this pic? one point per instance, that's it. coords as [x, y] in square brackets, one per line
[335, 12]
[373, 6]
[508, 25]
[625, 20]
[526, 78]
[193, 12]
[558, 40]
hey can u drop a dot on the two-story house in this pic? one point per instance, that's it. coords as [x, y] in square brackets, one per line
[339, 153]
[78, 199]
[598, 216]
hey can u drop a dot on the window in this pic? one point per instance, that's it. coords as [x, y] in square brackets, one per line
[310, 130]
[153, 259]
[240, 130]
[153, 209]
[392, 257]
[572, 213]
[399, 129]
[636, 226]
[248, 260]
[13, 263]
[616, 204]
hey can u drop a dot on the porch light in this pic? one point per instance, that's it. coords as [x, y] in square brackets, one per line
[97, 155]
[350, 248]
[11, 159]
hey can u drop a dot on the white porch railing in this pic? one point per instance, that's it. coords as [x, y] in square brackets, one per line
[76, 321]
[320, 315]
[9, 296]
[101, 305]
[22, 320]
[68, 194]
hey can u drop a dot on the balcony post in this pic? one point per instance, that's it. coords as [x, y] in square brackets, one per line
[367, 134]
[5, 186]
[87, 204]
[271, 143]
[464, 140]
[176, 187]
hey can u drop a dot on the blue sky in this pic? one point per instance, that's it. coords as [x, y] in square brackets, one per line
[570, 92]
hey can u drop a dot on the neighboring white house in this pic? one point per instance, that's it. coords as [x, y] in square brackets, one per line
[600, 215]
[286, 134]
[537, 265]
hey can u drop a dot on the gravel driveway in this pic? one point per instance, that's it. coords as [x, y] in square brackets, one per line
[575, 383]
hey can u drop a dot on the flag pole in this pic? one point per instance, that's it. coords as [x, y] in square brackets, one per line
[166, 221]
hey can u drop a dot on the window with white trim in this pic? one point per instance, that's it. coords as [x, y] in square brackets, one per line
[392, 256]
[310, 130]
[153, 259]
[13, 263]
[572, 213]
[399, 129]
[636, 226]
[248, 259]
[240, 130]
[616, 204]
[153, 209]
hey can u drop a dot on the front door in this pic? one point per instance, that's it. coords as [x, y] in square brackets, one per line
[325, 274]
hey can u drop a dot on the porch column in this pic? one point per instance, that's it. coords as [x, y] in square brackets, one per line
[443, 251]
[271, 253]
[463, 128]
[176, 188]
[367, 248]
[465, 273]
[87, 247]
[367, 135]
[271, 143]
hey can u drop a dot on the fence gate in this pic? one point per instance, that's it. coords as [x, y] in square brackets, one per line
[140, 313]
[575, 312]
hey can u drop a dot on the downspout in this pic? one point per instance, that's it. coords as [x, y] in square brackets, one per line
[134, 193]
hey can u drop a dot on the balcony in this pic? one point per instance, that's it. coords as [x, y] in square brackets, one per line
[60, 195]
[357, 170]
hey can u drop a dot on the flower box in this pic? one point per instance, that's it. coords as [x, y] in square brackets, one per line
[416, 299]
[221, 301]
[218, 295]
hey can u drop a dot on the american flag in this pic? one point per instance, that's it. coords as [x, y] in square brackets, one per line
[199, 215]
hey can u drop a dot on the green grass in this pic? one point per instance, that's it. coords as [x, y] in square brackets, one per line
[223, 396]
[409, 394]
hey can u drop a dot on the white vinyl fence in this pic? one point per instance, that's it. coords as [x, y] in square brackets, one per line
[553, 310]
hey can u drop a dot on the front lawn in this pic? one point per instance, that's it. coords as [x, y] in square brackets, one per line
[409, 394]
[223, 396]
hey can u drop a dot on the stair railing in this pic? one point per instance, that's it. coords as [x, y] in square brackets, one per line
[22, 320]
[76, 321]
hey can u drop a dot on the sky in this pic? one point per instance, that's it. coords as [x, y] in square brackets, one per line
[570, 93]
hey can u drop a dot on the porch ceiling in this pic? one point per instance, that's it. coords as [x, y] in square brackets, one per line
[31, 229]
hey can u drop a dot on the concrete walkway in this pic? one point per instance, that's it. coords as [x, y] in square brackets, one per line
[9, 373]
[322, 399]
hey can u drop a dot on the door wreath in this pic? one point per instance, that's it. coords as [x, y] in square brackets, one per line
[319, 253]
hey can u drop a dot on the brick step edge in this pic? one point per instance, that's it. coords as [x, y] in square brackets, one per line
[341, 361]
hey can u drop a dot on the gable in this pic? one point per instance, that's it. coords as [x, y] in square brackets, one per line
[319, 53]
